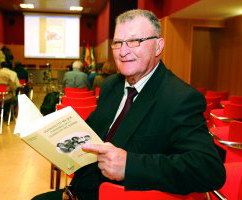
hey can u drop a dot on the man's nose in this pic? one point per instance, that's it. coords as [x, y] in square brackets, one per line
[124, 50]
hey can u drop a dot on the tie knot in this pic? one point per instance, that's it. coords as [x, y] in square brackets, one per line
[132, 92]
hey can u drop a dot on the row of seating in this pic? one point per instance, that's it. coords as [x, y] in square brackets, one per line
[224, 118]
[83, 102]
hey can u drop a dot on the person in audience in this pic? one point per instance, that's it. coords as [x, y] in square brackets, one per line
[8, 56]
[162, 142]
[76, 78]
[94, 72]
[7, 68]
[22, 75]
[107, 70]
[9, 98]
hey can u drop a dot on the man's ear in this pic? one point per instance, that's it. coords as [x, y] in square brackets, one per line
[159, 46]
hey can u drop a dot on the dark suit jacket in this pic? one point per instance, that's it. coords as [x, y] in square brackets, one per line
[165, 134]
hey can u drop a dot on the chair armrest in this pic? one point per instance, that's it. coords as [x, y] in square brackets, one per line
[219, 195]
[224, 119]
[235, 145]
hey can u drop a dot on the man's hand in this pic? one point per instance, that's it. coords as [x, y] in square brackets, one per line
[111, 160]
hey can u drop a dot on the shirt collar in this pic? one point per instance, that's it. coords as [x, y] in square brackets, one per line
[141, 83]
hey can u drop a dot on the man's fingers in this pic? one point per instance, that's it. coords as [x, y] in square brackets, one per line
[97, 148]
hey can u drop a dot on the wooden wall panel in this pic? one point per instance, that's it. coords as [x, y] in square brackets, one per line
[229, 74]
[178, 35]
[204, 56]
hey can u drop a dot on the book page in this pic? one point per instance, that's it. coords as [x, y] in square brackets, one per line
[27, 113]
[61, 139]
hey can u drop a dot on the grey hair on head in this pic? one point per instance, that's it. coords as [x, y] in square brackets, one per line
[131, 14]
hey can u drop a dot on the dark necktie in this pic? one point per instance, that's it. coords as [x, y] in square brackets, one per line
[132, 92]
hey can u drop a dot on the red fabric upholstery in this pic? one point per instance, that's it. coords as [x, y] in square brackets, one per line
[207, 111]
[230, 111]
[78, 94]
[233, 99]
[109, 191]
[223, 94]
[231, 133]
[232, 187]
[76, 89]
[78, 102]
[215, 100]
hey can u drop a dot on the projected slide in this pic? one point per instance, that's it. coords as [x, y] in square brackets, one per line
[51, 36]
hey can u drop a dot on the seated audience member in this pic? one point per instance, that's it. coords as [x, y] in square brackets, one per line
[107, 70]
[9, 98]
[22, 74]
[76, 78]
[2, 56]
[7, 68]
[8, 56]
[94, 72]
[162, 142]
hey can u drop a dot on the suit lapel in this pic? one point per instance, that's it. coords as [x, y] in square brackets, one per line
[139, 109]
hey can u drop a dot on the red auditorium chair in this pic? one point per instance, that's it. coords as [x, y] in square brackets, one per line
[223, 116]
[110, 191]
[230, 139]
[85, 89]
[231, 190]
[97, 91]
[78, 94]
[78, 102]
[233, 99]
[223, 94]
[215, 100]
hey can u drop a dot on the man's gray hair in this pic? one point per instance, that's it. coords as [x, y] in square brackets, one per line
[131, 14]
[77, 64]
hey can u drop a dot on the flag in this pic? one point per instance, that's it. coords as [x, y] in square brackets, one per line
[92, 57]
[87, 56]
[83, 51]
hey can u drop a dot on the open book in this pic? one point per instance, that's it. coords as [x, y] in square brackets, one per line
[58, 136]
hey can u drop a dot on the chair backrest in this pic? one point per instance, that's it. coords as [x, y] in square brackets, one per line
[22, 81]
[234, 135]
[236, 99]
[215, 100]
[232, 187]
[60, 106]
[85, 89]
[223, 94]
[84, 112]
[110, 191]
[233, 111]
[78, 94]
[97, 91]
[208, 110]
[3, 88]
[78, 102]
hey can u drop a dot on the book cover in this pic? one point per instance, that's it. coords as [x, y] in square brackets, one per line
[58, 136]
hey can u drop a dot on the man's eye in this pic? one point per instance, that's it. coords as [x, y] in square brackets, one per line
[117, 42]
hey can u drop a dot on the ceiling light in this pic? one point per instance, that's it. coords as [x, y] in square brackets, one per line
[76, 8]
[26, 5]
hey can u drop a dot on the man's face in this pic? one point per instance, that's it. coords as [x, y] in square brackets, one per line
[134, 63]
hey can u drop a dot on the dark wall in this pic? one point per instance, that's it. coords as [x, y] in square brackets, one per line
[1, 28]
[14, 29]
[118, 7]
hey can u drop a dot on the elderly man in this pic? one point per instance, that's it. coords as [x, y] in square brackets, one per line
[76, 78]
[153, 123]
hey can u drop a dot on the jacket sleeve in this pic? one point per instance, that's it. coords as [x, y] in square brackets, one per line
[193, 165]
